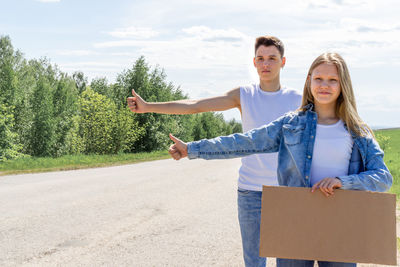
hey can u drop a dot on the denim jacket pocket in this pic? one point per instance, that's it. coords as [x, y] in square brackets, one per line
[292, 134]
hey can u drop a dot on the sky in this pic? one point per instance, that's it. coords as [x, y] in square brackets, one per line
[207, 47]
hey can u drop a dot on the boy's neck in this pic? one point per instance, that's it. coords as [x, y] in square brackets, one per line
[270, 86]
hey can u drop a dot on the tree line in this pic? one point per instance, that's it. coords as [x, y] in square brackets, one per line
[46, 112]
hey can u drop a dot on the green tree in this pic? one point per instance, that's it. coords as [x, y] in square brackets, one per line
[100, 85]
[9, 149]
[23, 115]
[234, 127]
[152, 86]
[42, 136]
[48, 113]
[31, 76]
[137, 78]
[209, 125]
[80, 81]
[10, 94]
[8, 60]
[65, 103]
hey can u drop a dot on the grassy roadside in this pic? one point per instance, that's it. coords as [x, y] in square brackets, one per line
[72, 162]
[392, 158]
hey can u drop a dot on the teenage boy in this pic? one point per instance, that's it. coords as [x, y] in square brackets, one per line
[258, 104]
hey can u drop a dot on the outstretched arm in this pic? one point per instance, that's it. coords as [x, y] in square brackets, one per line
[265, 139]
[186, 106]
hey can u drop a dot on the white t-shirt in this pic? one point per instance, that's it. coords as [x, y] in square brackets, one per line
[332, 151]
[260, 108]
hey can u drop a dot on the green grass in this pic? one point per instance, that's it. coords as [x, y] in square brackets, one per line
[71, 162]
[392, 158]
[398, 243]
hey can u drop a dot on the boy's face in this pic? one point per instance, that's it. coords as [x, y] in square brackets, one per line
[268, 62]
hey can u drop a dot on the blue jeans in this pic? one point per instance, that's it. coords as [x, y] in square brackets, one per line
[249, 213]
[307, 263]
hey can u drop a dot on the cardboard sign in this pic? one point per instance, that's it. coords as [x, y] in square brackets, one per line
[350, 226]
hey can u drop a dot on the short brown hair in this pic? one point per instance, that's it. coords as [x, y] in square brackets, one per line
[268, 41]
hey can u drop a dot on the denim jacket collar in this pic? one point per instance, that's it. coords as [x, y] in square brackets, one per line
[309, 107]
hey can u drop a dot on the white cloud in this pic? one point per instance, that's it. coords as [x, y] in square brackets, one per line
[200, 47]
[94, 69]
[134, 32]
[195, 33]
[207, 34]
[48, 1]
[377, 101]
[366, 26]
[124, 54]
[359, 41]
[96, 64]
[123, 43]
[76, 52]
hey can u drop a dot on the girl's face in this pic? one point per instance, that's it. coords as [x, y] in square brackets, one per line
[325, 85]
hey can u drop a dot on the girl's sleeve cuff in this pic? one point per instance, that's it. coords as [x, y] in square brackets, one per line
[193, 149]
[346, 181]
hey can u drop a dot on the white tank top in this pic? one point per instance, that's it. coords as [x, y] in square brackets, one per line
[260, 108]
[332, 151]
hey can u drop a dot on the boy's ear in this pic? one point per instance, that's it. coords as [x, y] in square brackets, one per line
[283, 62]
[254, 61]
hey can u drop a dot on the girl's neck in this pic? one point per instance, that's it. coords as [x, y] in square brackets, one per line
[326, 114]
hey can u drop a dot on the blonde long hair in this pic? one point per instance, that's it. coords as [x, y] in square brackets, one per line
[346, 108]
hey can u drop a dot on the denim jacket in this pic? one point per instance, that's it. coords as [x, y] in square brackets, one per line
[292, 135]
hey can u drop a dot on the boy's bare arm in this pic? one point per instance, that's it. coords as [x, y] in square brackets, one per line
[186, 106]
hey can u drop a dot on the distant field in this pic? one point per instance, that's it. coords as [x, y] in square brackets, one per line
[392, 157]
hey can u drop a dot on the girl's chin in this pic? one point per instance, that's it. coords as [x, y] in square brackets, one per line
[324, 102]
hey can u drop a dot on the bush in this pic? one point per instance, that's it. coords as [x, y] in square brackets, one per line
[383, 141]
[103, 128]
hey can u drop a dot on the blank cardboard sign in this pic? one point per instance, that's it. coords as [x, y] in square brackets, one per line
[350, 226]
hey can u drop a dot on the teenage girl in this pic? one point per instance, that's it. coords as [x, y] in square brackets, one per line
[323, 145]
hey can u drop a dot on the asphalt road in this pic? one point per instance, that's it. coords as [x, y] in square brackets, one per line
[159, 213]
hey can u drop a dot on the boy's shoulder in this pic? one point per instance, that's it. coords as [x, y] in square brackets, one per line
[291, 92]
[249, 87]
[286, 91]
